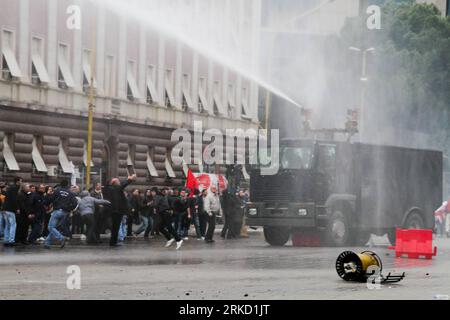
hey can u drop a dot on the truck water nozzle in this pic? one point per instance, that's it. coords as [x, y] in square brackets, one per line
[351, 266]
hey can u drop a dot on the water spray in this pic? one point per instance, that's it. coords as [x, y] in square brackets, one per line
[158, 22]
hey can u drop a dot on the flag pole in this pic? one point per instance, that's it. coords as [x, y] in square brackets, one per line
[91, 106]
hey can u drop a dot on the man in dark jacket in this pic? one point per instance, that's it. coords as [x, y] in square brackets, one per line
[24, 218]
[163, 209]
[146, 212]
[183, 214]
[114, 193]
[11, 208]
[149, 207]
[64, 202]
[202, 215]
[232, 209]
[135, 201]
[38, 212]
[102, 221]
[196, 207]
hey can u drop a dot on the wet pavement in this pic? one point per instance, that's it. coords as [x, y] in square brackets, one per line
[231, 269]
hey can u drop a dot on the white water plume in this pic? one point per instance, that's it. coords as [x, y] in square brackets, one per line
[170, 19]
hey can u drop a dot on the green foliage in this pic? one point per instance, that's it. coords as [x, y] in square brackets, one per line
[410, 72]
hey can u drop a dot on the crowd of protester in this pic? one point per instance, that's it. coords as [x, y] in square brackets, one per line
[49, 215]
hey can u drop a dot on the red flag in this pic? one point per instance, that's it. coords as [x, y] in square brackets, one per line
[204, 181]
[191, 182]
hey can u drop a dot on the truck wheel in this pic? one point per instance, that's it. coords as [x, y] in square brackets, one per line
[338, 232]
[276, 236]
[392, 236]
[414, 221]
[362, 237]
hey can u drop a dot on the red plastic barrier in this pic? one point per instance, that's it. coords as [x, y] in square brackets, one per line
[306, 239]
[414, 244]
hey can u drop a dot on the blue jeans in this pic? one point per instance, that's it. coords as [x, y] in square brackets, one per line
[184, 224]
[123, 229]
[179, 226]
[57, 217]
[144, 225]
[10, 227]
[196, 222]
[65, 226]
[2, 225]
[150, 226]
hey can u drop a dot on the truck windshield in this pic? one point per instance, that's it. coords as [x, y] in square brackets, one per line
[296, 158]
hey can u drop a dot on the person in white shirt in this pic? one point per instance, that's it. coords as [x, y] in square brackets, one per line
[212, 207]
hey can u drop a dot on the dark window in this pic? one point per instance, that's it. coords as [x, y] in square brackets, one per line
[149, 97]
[201, 107]
[61, 81]
[167, 100]
[85, 84]
[129, 93]
[216, 109]
[6, 74]
[327, 159]
[34, 75]
[185, 104]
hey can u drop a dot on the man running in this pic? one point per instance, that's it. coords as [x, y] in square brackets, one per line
[64, 202]
[163, 210]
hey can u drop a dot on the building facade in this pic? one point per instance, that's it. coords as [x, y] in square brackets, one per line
[147, 84]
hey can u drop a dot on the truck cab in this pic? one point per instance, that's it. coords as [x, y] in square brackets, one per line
[345, 191]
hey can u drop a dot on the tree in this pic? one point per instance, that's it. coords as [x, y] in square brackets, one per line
[410, 73]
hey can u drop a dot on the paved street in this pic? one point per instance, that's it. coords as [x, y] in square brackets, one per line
[239, 269]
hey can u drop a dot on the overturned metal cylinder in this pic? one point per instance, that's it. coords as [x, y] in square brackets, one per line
[359, 267]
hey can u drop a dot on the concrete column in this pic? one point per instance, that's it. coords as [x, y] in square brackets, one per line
[142, 64]
[100, 42]
[194, 81]
[52, 42]
[239, 96]
[77, 56]
[225, 92]
[161, 68]
[195, 66]
[255, 52]
[24, 39]
[122, 60]
[179, 75]
[210, 84]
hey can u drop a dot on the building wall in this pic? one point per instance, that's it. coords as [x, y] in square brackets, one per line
[54, 113]
[123, 39]
[112, 137]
